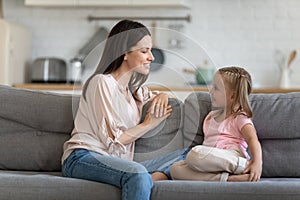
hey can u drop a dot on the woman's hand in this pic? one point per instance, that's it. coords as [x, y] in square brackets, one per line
[152, 121]
[159, 105]
[155, 115]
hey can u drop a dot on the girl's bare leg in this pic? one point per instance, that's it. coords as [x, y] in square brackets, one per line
[158, 176]
[238, 178]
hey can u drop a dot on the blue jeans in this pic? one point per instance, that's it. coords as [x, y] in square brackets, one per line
[132, 178]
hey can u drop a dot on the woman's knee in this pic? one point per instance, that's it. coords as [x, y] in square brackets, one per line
[136, 186]
[64, 170]
[140, 179]
[137, 172]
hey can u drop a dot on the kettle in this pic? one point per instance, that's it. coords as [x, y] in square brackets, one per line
[74, 71]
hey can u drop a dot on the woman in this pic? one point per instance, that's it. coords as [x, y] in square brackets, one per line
[106, 126]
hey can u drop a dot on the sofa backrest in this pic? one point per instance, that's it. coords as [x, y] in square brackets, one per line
[33, 127]
[276, 118]
[167, 137]
[35, 124]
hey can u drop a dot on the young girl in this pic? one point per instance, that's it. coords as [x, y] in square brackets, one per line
[228, 132]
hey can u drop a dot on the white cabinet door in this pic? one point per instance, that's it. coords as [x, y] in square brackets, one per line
[169, 3]
[14, 52]
[50, 2]
[103, 2]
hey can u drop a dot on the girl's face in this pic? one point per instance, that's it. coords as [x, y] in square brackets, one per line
[140, 56]
[221, 94]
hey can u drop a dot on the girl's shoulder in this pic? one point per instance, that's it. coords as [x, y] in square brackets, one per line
[242, 119]
[212, 114]
[242, 115]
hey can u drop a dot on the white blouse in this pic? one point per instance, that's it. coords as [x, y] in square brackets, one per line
[108, 107]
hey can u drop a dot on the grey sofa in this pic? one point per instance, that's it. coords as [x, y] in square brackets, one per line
[34, 125]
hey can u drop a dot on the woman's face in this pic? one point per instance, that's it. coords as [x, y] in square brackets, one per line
[140, 56]
[221, 95]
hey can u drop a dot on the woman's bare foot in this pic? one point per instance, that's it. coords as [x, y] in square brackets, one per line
[158, 176]
[238, 178]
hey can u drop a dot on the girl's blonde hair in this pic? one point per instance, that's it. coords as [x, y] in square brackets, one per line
[239, 81]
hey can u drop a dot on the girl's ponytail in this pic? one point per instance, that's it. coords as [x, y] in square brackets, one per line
[242, 93]
[240, 82]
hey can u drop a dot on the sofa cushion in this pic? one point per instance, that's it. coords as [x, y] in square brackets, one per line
[49, 186]
[166, 138]
[276, 115]
[34, 126]
[276, 118]
[266, 189]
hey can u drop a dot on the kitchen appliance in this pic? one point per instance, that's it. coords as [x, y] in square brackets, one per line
[14, 53]
[99, 36]
[74, 71]
[204, 73]
[76, 67]
[203, 76]
[49, 70]
[158, 54]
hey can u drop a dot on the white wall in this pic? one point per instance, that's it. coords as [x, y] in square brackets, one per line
[232, 32]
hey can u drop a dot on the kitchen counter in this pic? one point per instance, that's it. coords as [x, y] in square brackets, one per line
[45, 86]
[205, 89]
[41, 86]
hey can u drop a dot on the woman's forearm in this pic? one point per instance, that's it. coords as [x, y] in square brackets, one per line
[134, 133]
[148, 124]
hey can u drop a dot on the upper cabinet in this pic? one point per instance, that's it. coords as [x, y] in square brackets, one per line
[50, 2]
[115, 3]
[164, 3]
[103, 2]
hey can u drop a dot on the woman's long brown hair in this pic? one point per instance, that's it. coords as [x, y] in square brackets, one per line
[123, 36]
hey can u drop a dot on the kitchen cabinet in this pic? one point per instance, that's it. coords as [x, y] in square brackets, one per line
[159, 3]
[103, 3]
[76, 2]
[131, 3]
[50, 2]
[15, 41]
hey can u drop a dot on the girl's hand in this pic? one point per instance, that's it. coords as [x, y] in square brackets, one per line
[254, 169]
[159, 105]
